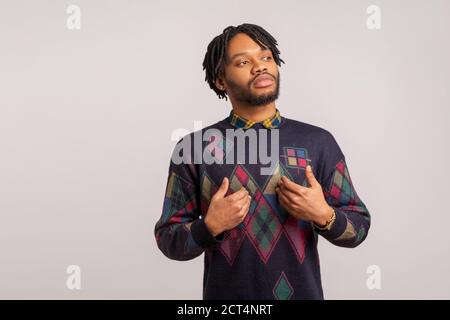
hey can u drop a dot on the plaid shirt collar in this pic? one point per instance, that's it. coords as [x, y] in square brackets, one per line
[240, 122]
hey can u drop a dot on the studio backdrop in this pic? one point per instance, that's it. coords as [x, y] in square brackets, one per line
[92, 94]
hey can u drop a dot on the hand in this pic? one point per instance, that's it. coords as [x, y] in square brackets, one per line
[225, 213]
[302, 202]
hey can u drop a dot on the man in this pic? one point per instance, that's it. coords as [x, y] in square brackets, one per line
[259, 231]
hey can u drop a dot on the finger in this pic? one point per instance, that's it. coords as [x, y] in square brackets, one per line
[310, 177]
[234, 207]
[238, 195]
[289, 185]
[221, 192]
[241, 202]
[291, 196]
[284, 201]
[245, 208]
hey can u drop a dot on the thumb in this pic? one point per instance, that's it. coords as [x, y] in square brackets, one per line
[222, 191]
[311, 178]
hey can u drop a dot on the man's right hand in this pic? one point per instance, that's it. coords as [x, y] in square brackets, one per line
[225, 213]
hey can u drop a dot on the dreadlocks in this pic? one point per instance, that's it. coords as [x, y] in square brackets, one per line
[216, 55]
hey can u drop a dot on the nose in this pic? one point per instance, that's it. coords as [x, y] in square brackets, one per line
[259, 67]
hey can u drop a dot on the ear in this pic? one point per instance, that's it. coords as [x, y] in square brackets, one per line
[220, 84]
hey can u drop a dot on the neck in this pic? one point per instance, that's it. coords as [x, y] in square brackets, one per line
[255, 113]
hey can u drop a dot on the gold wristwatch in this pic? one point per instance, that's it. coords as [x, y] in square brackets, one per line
[328, 224]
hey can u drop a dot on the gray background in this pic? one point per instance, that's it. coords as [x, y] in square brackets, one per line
[85, 136]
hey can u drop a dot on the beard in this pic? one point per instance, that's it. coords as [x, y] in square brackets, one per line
[245, 95]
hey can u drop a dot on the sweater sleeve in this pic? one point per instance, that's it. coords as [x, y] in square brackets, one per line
[181, 233]
[352, 216]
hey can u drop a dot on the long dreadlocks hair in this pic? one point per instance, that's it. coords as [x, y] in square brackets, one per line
[216, 54]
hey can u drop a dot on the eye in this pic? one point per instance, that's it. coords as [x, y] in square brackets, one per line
[268, 58]
[242, 62]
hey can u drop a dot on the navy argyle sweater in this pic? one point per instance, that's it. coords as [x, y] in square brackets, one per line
[270, 255]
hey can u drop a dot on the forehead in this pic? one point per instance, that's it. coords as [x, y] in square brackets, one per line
[242, 43]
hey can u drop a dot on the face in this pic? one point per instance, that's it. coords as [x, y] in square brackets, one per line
[251, 73]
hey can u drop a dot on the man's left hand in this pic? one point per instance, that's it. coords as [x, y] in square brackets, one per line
[302, 202]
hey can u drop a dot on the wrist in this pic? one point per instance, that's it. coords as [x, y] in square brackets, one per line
[211, 227]
[325, 220]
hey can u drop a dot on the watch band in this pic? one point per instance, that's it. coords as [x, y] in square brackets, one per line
[328, 224]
